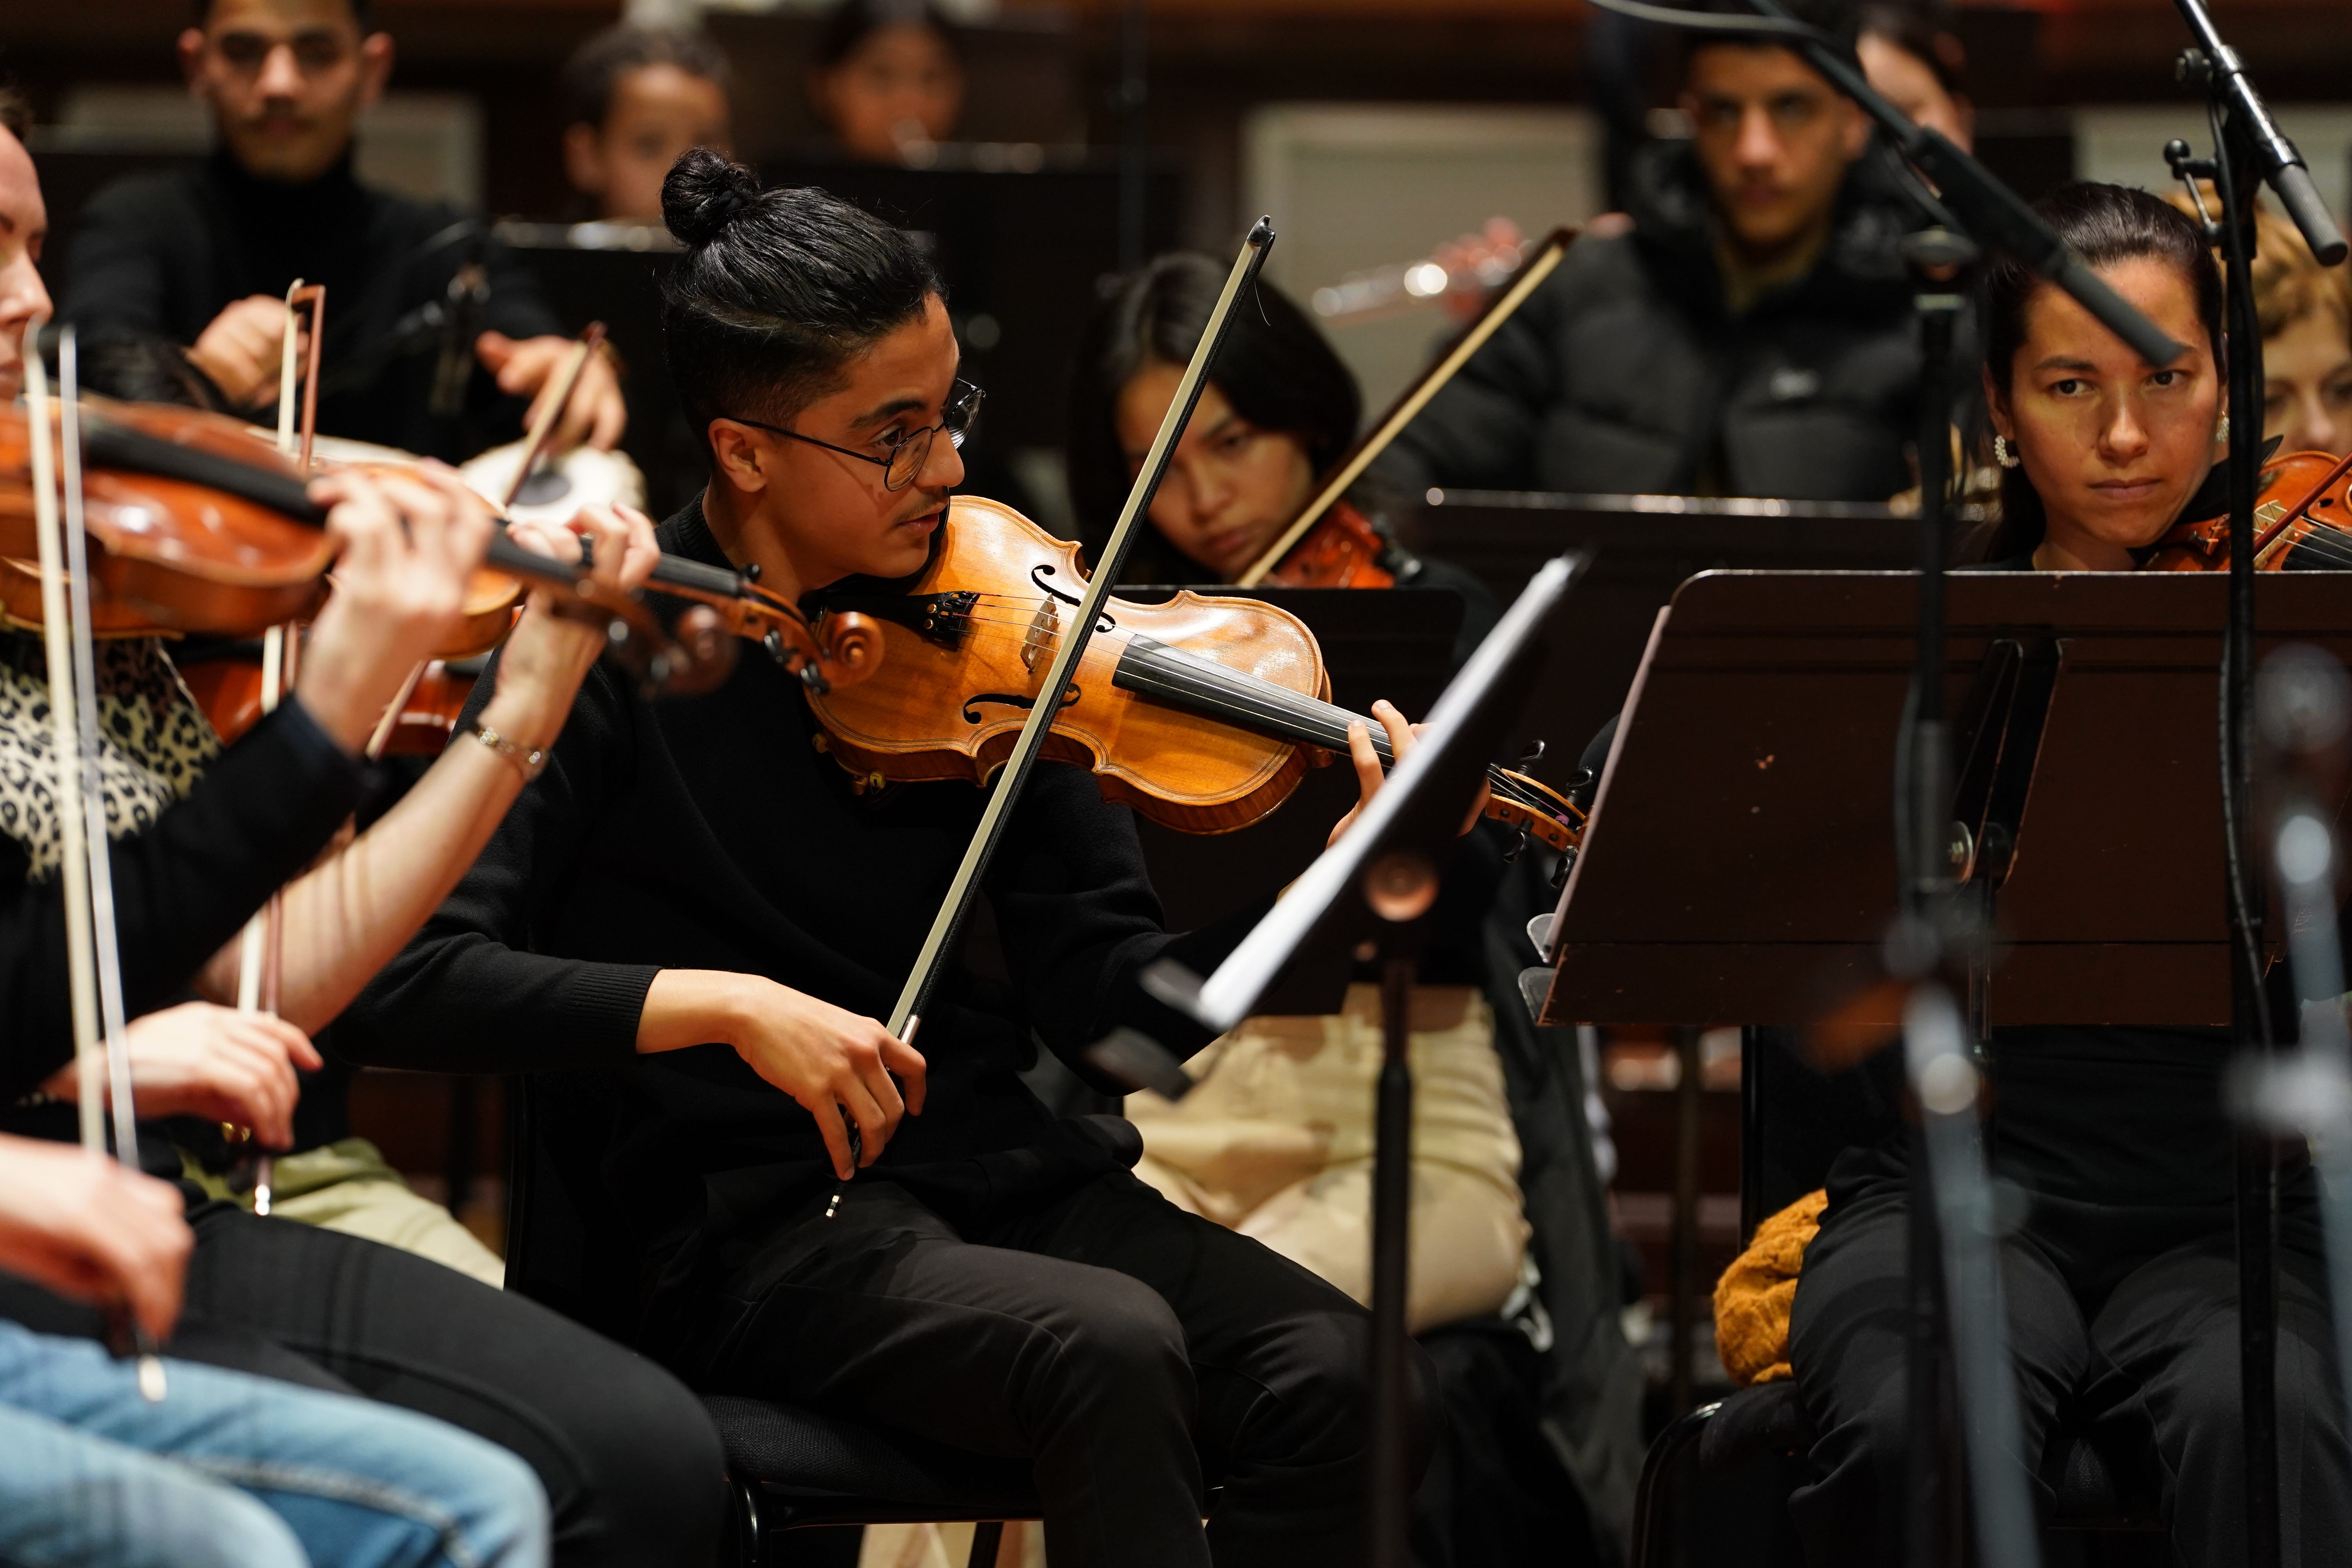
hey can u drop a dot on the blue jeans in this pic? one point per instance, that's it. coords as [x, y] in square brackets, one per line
[230, 1471]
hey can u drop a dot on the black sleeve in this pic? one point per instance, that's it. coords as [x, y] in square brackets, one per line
[1080, 922]
[116, 268]
[515, 306]
[465, 995]
[1479, 431]
[181, 887]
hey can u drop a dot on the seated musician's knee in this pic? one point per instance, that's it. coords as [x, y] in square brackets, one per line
[1118, 1334]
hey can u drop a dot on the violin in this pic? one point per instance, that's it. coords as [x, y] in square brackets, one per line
[194, 526]
[1202, 714]
[227, 686]
[2303, 517]
[1342, 550]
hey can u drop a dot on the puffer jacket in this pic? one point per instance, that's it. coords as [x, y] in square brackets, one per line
[1625, 373]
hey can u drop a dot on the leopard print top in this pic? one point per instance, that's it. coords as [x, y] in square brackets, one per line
[155, 742]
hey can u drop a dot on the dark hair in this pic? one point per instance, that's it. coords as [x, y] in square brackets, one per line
[1922, 29]
[363, 12]
[593, 72]
[777, 290]
[1276, 369]
[139, 368]
[2105, 225]
[15, 112]
[1839, 18]
[852, 22]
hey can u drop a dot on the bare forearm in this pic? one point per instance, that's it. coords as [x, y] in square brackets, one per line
[346, 918]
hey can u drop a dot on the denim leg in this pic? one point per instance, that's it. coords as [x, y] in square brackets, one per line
[362, 1485]
[71, 1501]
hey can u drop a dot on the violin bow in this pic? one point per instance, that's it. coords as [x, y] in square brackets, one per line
[542, 429]
[1014, 772]
[261, 953]
[1413, 399]
[93, 950]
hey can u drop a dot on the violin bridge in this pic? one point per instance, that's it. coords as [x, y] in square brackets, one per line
[1044, 627]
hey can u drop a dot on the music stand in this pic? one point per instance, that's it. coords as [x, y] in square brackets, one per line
[1382, 877]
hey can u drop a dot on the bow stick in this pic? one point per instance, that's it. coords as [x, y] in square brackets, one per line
[261, 955]
[1015, 773]
[93, 953]
[1413, 399]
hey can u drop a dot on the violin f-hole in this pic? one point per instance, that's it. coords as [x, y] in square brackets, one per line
[1037, 576]
[1012, 699]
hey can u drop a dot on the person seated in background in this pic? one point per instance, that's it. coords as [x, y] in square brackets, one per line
[1276, 1141]
[2119, 1275]
[638, 98]
[1914, 59]
[1749, 331]
[889, 83]
[2305, 312]
[203, 255]
[219, 1468]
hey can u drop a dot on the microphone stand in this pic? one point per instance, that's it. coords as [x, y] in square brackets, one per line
[2247, 149]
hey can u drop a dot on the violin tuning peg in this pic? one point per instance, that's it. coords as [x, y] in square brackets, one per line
[1531, 756]
[1516, 847]
[750, 572]
[1567, 863]
[814, 679]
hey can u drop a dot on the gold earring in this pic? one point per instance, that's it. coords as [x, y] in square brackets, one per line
[2221, 432]
[2002, 453]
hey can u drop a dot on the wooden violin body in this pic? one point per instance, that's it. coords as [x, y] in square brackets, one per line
[166, 554]
[1343, 550]
[2303, 514]
[1202, 714]
[965, 654]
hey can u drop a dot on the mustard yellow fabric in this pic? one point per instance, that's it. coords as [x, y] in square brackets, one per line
[1753, 1298]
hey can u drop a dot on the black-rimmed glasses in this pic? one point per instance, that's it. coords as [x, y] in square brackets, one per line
[911, 450]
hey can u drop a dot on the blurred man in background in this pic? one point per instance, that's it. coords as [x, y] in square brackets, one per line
[639, 97]
[1747, 333]
[418, 296]
[888, 82]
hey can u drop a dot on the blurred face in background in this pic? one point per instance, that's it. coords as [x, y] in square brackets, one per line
[24, 223]
[900, 88]
[1912, 85]
[1230, 486]
[1774, 139]
[656, 114]
[286, 80]
[2307, 381]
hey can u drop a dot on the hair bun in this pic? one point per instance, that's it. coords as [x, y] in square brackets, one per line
[703, 193]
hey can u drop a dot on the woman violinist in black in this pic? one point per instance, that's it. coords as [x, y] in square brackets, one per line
[2121, 1283]
[698, 897]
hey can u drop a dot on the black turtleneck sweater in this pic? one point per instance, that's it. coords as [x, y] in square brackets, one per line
[164, 252]
[711, 833]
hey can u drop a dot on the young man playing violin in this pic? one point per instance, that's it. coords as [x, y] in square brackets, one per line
[203, 255]
[697, 899]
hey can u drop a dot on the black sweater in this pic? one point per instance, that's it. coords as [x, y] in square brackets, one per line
[163, 253]
[711, 833]
[181, 887]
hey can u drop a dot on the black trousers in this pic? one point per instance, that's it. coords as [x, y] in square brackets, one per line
[631, 1467]
[1133, 1352]
[2123, 1326]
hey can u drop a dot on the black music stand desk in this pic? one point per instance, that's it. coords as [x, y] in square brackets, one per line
[1738, 867]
